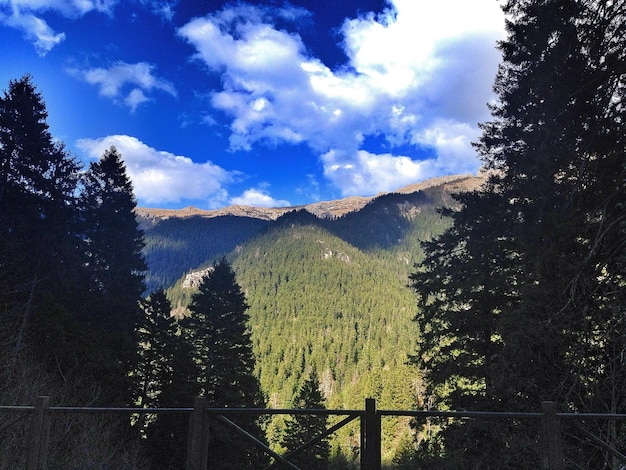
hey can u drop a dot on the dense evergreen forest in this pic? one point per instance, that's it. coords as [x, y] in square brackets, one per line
[494, 299]
[176, 245]
[331, 295]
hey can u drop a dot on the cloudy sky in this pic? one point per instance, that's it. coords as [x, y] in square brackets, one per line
[266, 103]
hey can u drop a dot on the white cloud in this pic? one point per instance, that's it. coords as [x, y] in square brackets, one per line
[419, 74]
[27, 15]
[162, 8]
[126, 83]
[453, 141]
[160, 177]
[259, 198]
[363, 172]
[367, 173]
[398, 48]
[36, 30]
[135, 98]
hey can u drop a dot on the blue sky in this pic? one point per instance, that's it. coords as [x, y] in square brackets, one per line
[270, 103]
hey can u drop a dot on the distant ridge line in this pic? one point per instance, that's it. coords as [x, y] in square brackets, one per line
[323, 209]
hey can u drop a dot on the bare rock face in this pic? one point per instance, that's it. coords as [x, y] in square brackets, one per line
[193, 279]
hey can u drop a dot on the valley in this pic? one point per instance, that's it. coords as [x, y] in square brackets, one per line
[327, 293]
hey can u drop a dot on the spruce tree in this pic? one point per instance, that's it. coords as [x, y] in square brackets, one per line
[302, 428]
[115, 268]
[218, 330]
[164, 376]
[155, 338]
[40, 246]
[519, 301]
[166, 436]
[43, 290]
[114, 243]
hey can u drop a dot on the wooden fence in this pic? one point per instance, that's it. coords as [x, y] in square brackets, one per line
[370, 429]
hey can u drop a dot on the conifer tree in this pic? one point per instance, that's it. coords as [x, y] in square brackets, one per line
[115, 268]
[155, 338]
[519, 300]
[43, 290]
[218, 331]
[114, 242]
[165, 376]
[39, 240]
[301, 429]
[166, 436]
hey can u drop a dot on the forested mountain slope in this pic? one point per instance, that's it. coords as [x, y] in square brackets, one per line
[330, 294]
[174, 245]
[178, 241]
[316, 302]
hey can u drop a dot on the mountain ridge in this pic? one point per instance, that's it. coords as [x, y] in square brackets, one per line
[177, 241]
[322, 209]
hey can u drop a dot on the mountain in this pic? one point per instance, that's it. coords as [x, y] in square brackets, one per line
[324, 209]
[327, 289]
[181, 240]
[178, 244]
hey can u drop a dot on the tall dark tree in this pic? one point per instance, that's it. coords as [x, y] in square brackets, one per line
[218, 331]
[114, 243]
[301, 429]
[166, 437]
[522, 300]
[43, 289]
[39, 242]
[115, 268]
[462, 287]
[155, 338]
[165, 376]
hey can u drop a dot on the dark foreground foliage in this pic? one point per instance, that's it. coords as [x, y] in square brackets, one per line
[522, 300]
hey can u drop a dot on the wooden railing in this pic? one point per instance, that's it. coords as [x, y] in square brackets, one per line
[370, 429]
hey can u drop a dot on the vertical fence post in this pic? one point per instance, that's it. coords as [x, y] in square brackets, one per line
[39, 434]
[198, 436]
[370, 437]
[551, 443]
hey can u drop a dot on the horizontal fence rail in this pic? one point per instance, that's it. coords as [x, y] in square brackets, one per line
[370, 428]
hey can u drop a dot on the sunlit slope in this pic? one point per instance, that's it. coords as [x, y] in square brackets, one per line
[316, 302]
[331, 295]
